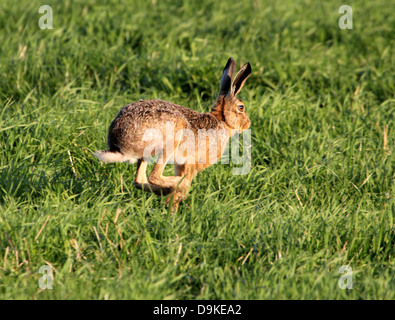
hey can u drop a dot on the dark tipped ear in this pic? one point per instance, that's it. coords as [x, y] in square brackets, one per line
[226, 80]
[240, 78]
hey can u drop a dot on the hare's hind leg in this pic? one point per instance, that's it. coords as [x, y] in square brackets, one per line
[141, 174]
[142, 183]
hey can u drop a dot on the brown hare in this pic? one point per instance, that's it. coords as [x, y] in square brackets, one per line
[192, 141]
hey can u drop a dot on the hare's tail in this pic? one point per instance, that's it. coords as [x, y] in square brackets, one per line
[113, 156]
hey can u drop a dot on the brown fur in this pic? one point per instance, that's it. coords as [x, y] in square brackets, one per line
[125, 137]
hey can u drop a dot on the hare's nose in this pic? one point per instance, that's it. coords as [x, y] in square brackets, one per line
[247, 124]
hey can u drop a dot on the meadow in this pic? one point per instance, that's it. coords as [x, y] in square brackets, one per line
[320, 194]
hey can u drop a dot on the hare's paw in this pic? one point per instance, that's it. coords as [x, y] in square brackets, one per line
[174, 198]
[158, 190]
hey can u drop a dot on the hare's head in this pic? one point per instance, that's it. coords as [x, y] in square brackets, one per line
[228, 107]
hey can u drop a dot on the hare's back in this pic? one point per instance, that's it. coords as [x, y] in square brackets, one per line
[152, 110]
[132, 122]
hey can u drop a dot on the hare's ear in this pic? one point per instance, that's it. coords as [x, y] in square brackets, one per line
[226, 80]
[240, 78]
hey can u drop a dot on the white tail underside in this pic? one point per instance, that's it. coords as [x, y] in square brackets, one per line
[113, 156]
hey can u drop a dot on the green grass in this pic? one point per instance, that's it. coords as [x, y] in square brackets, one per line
[320, 193]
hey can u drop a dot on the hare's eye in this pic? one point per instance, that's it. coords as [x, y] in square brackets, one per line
[241, 107]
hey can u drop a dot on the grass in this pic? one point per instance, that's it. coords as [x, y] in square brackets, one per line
[320, 193]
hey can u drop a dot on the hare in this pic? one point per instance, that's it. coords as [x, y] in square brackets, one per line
[176, 134]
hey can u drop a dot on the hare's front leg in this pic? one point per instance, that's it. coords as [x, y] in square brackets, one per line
[156, 178]
[187, 173]
[142, 183]
[156, 182]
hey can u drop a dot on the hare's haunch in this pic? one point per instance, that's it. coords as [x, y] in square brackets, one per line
[192, 141]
